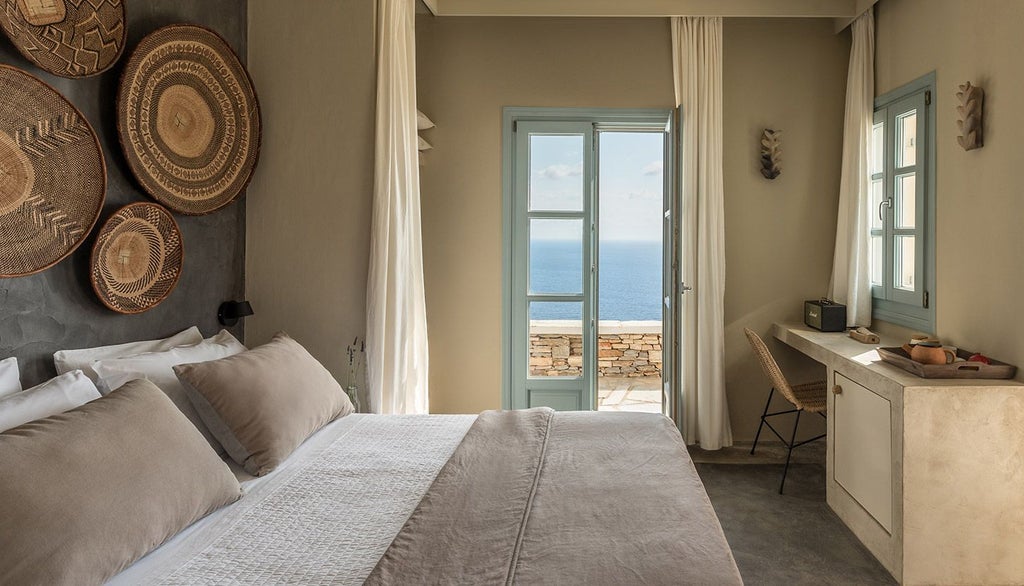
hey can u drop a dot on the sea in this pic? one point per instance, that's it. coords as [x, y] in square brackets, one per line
[629, 279]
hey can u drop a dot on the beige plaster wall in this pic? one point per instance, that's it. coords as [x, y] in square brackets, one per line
[309, 202]
[782, 73]
[979, 206]
[779, 234]
[468, 69]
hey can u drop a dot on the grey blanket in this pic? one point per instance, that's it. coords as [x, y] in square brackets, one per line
[539, 497]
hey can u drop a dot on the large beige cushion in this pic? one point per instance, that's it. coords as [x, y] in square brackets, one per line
[263, 403]
[85, 493]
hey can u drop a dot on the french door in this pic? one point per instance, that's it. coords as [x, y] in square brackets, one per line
[560, 226]
[554, 203]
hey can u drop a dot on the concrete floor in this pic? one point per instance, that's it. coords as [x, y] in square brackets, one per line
[767, 453]
[790, 539]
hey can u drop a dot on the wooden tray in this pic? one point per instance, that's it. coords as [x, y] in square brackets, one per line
[996, 370]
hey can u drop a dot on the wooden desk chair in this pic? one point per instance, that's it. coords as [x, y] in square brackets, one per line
[810, 397]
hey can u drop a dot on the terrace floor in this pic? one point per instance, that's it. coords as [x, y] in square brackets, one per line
[639, 394]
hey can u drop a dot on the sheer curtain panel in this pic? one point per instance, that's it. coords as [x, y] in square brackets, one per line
[396, 329]
[697, 67]
[851, 279]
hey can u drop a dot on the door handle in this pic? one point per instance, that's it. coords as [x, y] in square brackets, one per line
[685, 288]
[885, 203]
[837, 390]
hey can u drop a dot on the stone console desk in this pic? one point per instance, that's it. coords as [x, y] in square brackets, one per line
[928, 473]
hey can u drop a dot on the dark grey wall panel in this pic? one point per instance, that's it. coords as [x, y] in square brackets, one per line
[57, 308]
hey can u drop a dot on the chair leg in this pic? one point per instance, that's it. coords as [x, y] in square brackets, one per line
[763, 415]
[792, 441]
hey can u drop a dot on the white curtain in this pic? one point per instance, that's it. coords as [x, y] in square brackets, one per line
[851, 279]
[697, 64]
[396, 329]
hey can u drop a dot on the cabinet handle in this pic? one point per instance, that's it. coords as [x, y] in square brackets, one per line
[837, 390]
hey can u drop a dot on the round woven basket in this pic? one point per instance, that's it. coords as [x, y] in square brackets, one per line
[52, 175]
[69, 38]
[188, 119]
[137, 258]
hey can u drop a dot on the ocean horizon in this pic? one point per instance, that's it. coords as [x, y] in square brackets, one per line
[629, 279]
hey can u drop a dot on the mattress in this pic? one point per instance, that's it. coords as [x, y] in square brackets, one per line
[326, 515]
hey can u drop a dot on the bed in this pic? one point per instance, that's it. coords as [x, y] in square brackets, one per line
[211, 463]
[524, 497]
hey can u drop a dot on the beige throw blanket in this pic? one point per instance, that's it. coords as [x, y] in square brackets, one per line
[539, 497]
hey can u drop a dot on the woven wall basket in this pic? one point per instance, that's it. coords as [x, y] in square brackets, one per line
[188, 119]
[137, 258]
[52, 175]
[70, 38]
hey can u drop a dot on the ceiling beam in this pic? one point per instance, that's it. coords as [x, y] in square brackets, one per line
[651, 8]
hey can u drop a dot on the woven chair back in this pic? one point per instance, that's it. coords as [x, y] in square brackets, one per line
[770, 367]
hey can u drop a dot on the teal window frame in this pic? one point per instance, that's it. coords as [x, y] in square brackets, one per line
[917, 310]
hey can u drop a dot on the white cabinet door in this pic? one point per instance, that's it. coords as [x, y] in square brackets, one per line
[863, 448]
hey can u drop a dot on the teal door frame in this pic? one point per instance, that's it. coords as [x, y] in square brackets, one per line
[512, 266]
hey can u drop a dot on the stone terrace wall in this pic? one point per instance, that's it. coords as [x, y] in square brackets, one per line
[628, 355]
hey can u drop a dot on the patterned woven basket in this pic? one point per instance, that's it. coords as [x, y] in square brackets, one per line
[188, 119]
[137, 258]
[52, 175]
[69, 38]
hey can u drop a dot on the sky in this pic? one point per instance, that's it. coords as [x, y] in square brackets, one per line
[630, 185]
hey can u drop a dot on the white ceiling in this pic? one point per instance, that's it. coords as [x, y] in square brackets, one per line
[846, 9]
[842, 12]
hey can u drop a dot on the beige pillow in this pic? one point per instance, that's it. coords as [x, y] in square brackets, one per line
[156, 367]
[85, 493]
[263, 403]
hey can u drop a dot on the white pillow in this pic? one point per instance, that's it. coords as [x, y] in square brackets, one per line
[157, 368]
[57, 395]
[10, 377]
[68, 360]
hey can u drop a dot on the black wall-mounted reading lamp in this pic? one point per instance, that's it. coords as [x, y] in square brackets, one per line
[231, 311]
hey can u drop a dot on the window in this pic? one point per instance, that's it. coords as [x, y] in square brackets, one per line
[902, 156]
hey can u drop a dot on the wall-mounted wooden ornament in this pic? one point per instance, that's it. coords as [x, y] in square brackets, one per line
[972, 99]
[771, 153]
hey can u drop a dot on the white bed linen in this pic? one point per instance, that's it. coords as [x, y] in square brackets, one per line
[326, 515]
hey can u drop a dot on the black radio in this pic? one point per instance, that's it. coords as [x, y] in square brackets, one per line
[825, 315]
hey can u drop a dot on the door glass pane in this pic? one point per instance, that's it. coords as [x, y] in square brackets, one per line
[556, 256]
[906, 139]
[906, 201]
[556, 172]
[629, 337]
[556, 339]
[905, 263]
[877, 148]
[876, 204]
[877, 260]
